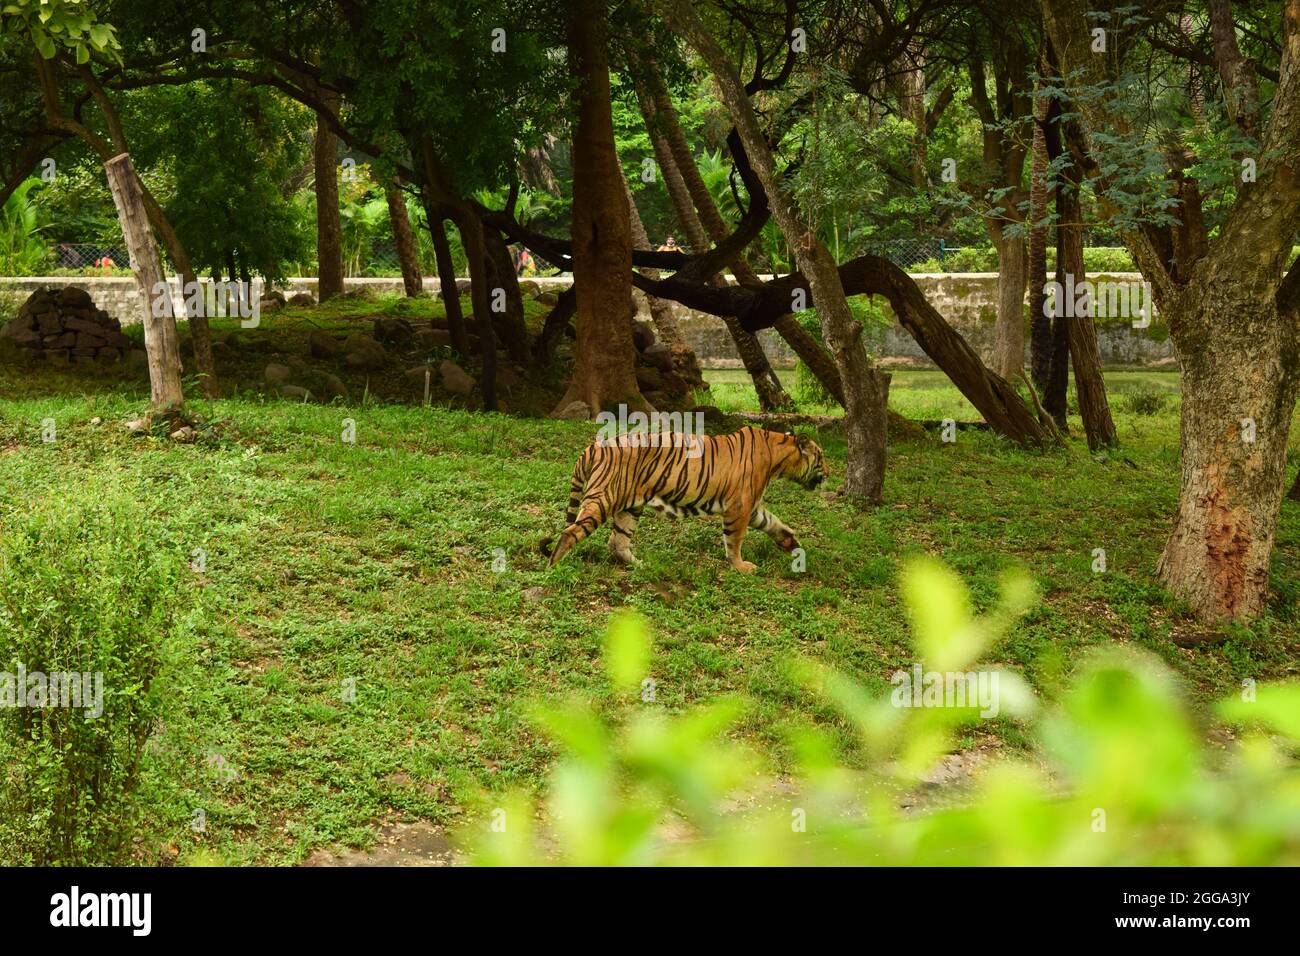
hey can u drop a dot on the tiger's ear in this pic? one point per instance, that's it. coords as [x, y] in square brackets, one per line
[802, 442]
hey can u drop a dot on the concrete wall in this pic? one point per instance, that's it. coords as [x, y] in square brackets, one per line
[967, 300]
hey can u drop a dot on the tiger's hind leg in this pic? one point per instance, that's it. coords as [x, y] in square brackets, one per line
[620, 539]
[591, 515]
[735, 518]
[776, 529]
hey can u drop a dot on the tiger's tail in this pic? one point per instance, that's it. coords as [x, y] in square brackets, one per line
[581, 472]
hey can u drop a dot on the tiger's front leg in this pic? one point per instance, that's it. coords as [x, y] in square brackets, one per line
[776, 529]
[734, 521]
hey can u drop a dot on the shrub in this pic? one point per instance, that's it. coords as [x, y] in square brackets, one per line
[1121, 779]
[1146, 401]
[85, 591]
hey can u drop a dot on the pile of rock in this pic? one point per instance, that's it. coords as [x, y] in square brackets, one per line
[661, 384]
[63, 327]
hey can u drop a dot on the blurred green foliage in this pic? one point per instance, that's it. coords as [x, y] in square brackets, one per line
[1119, 775]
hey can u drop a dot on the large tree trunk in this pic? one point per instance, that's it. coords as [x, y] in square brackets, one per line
[866, 389]
[1239, 390]
[685, 364]
[1009, 341]
[162, 344]
[604, 367]
[698, 218]
[329, 231]
[407, 250]
[473, 240]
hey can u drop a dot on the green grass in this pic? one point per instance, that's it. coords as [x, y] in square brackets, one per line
[372, 563]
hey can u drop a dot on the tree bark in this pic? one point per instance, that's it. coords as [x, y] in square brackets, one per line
[1239, 384]
[447, 279]
[329, 230]
[507, 305]
[604, 368]
[1040, 323]
[866, 389]
[162, 344]
[1009, 342]
[407, 250]
[1080, 331]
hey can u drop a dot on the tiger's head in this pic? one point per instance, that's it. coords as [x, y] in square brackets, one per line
[809, 468]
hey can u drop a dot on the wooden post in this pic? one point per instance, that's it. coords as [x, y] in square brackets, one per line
[161, 342]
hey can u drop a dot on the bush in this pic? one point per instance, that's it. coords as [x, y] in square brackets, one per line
[84, 591]
[1147, 401]
[1121, 778]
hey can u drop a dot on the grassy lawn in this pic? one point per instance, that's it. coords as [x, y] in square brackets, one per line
[378, 565]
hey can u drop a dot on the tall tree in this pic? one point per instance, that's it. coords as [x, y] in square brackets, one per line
[604, 367]
[1233, 319]
[866, 389]
[329, 229]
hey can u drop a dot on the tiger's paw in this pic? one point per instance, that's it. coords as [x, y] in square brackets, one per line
[745, 567]
[788, 543]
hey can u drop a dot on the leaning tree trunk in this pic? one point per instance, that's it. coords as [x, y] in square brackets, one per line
[866, 388]
[161, 342]
[447, 279]
[604, 366]
[1009, 341]
[676, 164]
[685, 364]
[329, 231]
[1240, 383]
[407, 251]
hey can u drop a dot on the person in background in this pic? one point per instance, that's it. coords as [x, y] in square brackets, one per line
[670, 245]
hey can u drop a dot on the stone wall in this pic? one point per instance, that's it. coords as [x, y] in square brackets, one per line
[967, 300]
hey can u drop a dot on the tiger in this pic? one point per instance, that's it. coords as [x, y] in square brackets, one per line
[676, 475]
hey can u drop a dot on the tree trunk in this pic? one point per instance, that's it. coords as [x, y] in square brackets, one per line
[508, 305]
[162, 344]
[329, 231]
[1240, 386]
[685, 364]
[1081, 334]
[1009, 343]
[475, 245]
[1040, 323]
[447, 279]
[604, 367]
[866, 389]
[407, 250]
